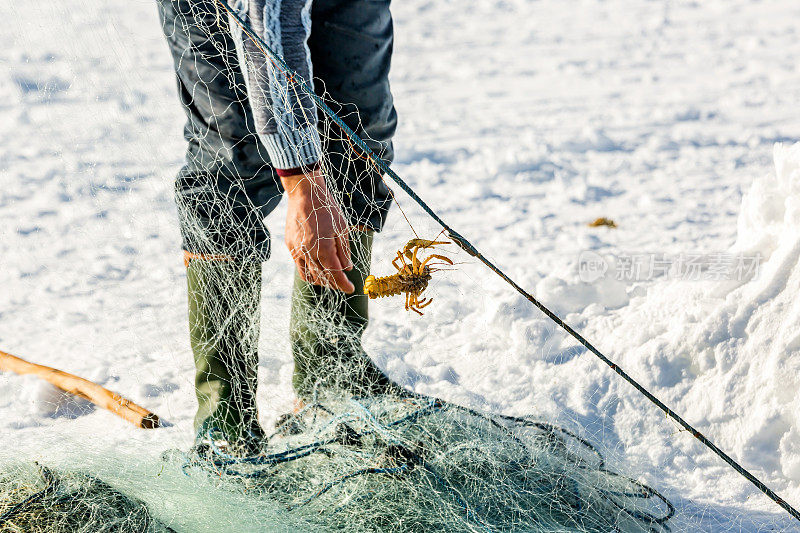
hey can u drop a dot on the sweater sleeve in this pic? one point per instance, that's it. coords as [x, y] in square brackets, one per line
[285, 117]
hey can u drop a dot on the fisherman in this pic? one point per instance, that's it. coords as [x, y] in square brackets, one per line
[253, 137]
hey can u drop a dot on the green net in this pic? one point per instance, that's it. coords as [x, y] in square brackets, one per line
[36, 499]
[348, 464]
[380, 463]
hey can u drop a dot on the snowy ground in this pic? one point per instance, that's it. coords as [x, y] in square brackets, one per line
[521, 121]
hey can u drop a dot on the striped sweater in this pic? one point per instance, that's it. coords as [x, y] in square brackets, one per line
[285, 117]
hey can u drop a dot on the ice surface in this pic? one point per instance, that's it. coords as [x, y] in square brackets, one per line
[520, 122]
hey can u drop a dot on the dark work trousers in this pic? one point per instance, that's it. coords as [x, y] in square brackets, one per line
[228, 186]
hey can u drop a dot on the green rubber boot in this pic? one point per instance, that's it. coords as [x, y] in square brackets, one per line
[326, 330]
[224, 313]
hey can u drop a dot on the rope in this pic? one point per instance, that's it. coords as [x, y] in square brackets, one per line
[393, 470]
[464, 244]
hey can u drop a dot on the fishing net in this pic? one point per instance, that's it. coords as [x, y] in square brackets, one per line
[379, 464]
[37, 499]
[385, 463]
[362, 451]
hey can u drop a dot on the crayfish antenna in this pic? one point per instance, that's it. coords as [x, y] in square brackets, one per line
[420, 243]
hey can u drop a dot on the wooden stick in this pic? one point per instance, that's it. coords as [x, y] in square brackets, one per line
[100, 396]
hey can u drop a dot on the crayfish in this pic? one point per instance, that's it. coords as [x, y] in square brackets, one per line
[412, 276]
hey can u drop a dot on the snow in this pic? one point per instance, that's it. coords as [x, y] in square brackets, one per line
[521, 121]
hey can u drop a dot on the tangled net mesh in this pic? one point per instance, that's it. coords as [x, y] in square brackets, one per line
[37, 499]
[363, 464]
[379, 464]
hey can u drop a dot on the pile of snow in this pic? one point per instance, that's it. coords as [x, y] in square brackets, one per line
[725, 354]
[729, 351]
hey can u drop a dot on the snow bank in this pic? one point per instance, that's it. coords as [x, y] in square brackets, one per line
[727, 353]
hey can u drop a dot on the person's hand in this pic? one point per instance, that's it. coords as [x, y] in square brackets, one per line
[316, 232]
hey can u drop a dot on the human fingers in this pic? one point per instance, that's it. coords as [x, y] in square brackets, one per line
[302, 268]
[332, 267]
[313, 271]
[343, 251]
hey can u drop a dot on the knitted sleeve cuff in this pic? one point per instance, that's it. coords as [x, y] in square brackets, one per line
[294, 171]
[292, 149]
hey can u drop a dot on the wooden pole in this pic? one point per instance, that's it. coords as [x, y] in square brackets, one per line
[100, 396]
